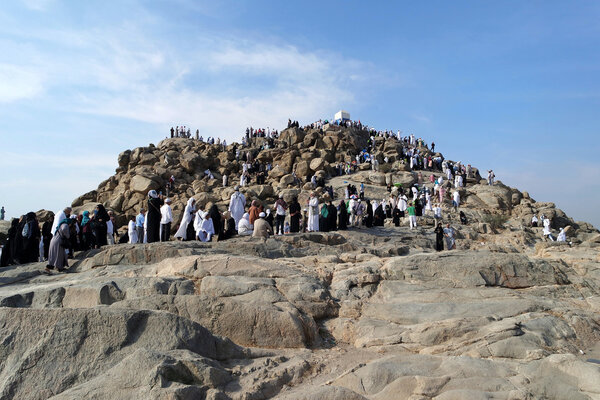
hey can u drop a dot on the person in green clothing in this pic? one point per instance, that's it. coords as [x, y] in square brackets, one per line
[412, 215]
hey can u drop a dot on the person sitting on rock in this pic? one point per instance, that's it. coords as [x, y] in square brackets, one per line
[255, 209]
[229, 229]
[534, 221]
[262, 229]
[206, 228]
[562, 236]
[463, 218]
[244, 226]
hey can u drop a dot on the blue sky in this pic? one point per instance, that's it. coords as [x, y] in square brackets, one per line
[512, 85]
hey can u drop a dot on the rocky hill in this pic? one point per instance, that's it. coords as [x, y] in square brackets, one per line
[368, 313]
[304, 153]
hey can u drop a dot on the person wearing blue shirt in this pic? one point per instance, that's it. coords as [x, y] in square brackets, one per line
[139, 224]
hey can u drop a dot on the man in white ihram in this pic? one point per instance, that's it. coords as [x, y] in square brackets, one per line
[237, 205]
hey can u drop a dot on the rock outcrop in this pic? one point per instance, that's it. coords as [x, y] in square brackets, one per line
[359, 314]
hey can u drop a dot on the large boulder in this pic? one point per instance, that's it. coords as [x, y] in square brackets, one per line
[317, 164]
[292, 136]
[302, 169]
[84, 198]
[142, 184]
[123, 158]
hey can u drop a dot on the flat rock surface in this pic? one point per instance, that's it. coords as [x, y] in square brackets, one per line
[360, 314]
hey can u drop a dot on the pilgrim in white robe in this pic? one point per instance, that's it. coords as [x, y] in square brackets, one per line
[313, 215]
[244, 226]
[237, 205]
[132, 232]
[186, 219]
[59, 216]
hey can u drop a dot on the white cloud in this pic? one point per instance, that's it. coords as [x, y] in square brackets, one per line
[37, 5]
[18, 82]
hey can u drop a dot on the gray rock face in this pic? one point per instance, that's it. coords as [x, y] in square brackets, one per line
[349, 315]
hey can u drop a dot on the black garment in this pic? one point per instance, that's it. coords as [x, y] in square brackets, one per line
[88, 241]
[332, 217]
[7, 254]
[463, 218]
[215, 215]
[378, 216]
[124, 238]
[396, 216]
[17, 244]
[343, 217]
[190, 232]
[295, 215]
[229, 230]
[153, 219]
[279, 223]
[388, 211]
[419, 208]
[439, 238]
[369, 215]
[269, 218]
[46, 236]
[100, 230]
[165, 233]
[99, 225]
[31, 241]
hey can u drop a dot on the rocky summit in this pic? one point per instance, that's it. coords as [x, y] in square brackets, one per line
[367, 313]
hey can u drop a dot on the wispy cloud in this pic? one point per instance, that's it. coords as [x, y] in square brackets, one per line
[19, 82]
[37, 5]
[222, 87]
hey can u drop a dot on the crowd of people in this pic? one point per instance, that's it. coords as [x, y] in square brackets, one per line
[438, 182]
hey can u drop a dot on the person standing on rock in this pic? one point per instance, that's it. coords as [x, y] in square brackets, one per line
[155, 202]
[166, 218]
[548, 230]
[188, 216]
[295, 215]
[343, 216]
[280, 210]
[490, 177]
[332, 217]
[132, 231]
[449, 233]
[313, 213]
[2, 212]
[139, 224]
[99, 225]
[58, 217]
[439, 237]
[110, 229]
[57, 255]
[456, 200]
[412, 215]
[562, 236]
[225, 180]
[237, 205]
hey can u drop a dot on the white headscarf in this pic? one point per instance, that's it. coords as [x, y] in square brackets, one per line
[153, 194]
